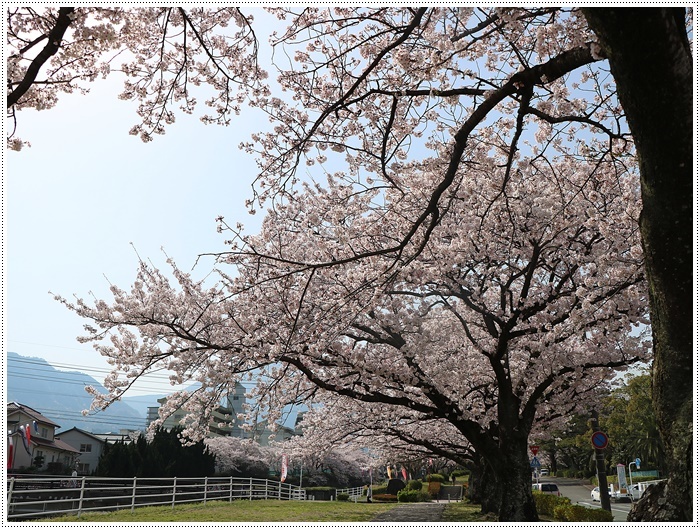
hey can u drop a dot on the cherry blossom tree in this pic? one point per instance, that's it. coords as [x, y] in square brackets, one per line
[520, 297]
[236, 456]
[487, 204]
[324, 463]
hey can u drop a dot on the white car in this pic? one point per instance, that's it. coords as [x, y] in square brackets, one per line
[544, 472]
[595, 494]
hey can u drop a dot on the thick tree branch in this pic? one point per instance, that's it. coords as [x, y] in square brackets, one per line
[55, 38]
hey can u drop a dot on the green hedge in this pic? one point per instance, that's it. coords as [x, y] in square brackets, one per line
[635, 479]
[436, 477]
[413, 496]
[343, 496]
[546, 503]
[579, 513]
[415, 484]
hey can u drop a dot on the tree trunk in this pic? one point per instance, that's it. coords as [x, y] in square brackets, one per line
[483, 487]
[651, 62]
[514, 477]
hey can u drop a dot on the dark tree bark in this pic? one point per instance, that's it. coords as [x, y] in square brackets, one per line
[54, 40]
[650, 59]
[483, 488]
[514, 478]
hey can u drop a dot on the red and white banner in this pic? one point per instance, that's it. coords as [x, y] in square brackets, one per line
[285, 463]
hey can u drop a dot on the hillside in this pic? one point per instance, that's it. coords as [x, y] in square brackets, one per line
[61, 396]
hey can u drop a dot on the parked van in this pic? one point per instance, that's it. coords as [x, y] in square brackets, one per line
[547, 488]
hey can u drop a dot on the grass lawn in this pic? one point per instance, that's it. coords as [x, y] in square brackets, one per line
[269, 511]
[241, 511]
[466, 512]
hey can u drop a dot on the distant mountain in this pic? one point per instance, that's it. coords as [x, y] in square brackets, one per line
[61, 396]
[141, 403]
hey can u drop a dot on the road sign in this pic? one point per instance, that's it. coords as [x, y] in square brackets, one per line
[599, 440]
[535, 463]
[534, 449]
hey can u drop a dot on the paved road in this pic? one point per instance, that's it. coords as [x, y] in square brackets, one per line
[412, 512]
[574, 489]
[580, 493]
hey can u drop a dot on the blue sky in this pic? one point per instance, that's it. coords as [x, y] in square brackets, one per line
[85, 190]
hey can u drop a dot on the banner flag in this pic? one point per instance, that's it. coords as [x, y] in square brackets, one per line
[285, 463]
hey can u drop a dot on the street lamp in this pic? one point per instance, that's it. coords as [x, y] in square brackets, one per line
[638, 463]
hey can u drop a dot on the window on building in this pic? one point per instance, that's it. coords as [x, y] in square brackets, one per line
[86, 448]
[83, 468]
[45, 433]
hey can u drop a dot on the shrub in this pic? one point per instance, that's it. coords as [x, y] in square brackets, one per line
[436, 477]
[379, 490]
[320, 493]
[343, 496]
[413, 496]
[599, 515]
[650, 477]
[415, 484]
[579, 513]
[546, 503]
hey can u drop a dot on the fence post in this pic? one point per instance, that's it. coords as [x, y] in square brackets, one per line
[230, 488]
[250, 490]
[279, 491]
[206, 486]
[82, 494]
[133, 494]
[174, 491]
[9, 495]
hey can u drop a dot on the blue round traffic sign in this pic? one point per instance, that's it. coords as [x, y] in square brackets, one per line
[599, 440]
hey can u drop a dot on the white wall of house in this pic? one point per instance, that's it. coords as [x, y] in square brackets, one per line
[90, 448]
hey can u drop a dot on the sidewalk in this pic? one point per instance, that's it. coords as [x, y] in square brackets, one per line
[412, 512]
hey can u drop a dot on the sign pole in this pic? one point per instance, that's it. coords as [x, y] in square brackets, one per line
[600, 462]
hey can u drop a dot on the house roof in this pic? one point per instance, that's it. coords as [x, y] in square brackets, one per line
[87, 434]
[56, 444]
[15, 407]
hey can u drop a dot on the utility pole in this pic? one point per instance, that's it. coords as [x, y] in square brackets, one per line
[599, 442]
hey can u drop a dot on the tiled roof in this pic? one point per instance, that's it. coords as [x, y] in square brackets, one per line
[13, 407]
[56, 444]
[88, 434]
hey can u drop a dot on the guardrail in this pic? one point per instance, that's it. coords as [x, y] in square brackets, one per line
[40, 496]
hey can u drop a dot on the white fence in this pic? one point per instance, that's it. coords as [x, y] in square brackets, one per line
[40, 496]
[354, 493]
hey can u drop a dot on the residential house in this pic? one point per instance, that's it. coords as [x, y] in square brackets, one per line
[42, 449]
[90, 447]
